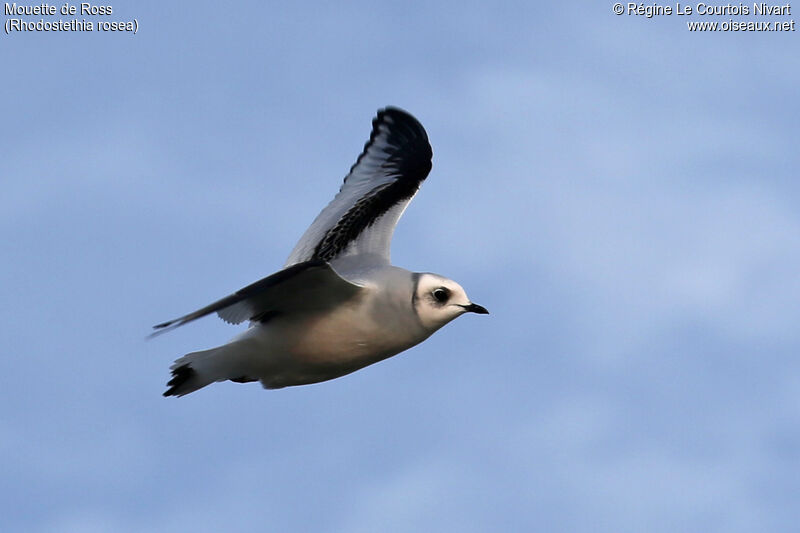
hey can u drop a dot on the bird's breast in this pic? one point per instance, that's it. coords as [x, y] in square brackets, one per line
[353, 335]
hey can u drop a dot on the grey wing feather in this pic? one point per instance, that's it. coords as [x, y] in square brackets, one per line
[385, 177]
[312, 285]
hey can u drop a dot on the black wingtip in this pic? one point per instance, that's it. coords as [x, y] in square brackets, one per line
[165, 327]
[398, 112]
[160, 329]
[180, 376]
[402, 120]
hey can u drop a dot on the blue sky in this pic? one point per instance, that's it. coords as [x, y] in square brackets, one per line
[620, 192]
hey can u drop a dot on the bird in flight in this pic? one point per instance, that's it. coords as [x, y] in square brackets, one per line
[338, 305]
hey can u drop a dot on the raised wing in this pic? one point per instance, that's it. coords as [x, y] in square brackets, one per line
[308, 286]
[385, 177]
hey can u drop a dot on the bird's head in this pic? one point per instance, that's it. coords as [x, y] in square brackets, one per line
[438, 300]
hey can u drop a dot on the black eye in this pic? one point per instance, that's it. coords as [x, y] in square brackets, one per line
[441, 294]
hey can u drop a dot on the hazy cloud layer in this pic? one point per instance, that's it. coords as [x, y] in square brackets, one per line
[619, 192]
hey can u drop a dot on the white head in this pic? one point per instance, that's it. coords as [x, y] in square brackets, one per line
[439, 300]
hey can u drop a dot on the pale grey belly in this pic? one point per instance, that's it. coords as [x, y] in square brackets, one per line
[319, 348]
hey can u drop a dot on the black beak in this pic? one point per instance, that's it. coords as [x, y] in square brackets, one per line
[475, 308]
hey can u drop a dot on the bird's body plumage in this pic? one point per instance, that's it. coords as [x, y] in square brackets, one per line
[338, 305]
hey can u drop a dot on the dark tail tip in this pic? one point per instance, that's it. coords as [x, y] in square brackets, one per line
[180, 376]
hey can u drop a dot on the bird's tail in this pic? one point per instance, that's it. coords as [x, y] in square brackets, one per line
[198, 369]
